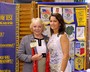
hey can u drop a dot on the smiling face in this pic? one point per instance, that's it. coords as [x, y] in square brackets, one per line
[57, 23]
[37, 28]
[54, 24]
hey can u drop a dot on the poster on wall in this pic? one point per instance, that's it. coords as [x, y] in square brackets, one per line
[79, 63]
[80, 33]
[81, 16]
[8, 37]
[45, 13]
[80, 48]
[72, 65]
[47, 30]
[70, 30]
[57, 10]
[72, 49]
[68, 15]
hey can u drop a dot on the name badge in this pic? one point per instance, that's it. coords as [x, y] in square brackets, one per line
[33, 43]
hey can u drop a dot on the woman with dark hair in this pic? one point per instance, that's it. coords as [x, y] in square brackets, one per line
[58, 45]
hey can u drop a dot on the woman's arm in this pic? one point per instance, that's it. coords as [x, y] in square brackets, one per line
[65, 49]
[21, 54]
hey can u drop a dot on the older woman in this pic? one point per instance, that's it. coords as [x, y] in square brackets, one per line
[33, 50]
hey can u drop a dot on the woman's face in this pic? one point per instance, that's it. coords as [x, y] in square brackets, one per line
[37, 28]
[54, 23]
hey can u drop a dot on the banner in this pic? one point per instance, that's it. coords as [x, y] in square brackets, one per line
[9, 36]
[81, 16]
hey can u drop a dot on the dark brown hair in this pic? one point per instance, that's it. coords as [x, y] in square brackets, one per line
[61, 21]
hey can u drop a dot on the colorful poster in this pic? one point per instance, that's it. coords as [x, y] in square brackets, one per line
[79, 63]
[72, 49]
[72, 65]
[81, 15]
[80, 33]
[70, 30]
[80, 48]
[68, 15]
[47, 31]
[9, 38]
[45, 13]
[57, 10]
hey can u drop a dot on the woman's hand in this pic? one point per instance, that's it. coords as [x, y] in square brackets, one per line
[36, 57]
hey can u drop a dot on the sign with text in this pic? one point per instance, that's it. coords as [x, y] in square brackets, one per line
[8, 37]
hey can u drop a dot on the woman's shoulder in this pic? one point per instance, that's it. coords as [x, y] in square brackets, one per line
[27, 36]
[45, 36]
[64, 36]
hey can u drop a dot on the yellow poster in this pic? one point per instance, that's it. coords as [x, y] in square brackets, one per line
[79, 63]
[81, 16]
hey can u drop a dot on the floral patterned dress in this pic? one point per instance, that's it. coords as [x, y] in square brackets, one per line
[56, 54]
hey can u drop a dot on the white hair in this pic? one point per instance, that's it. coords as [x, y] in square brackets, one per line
[34, 20]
